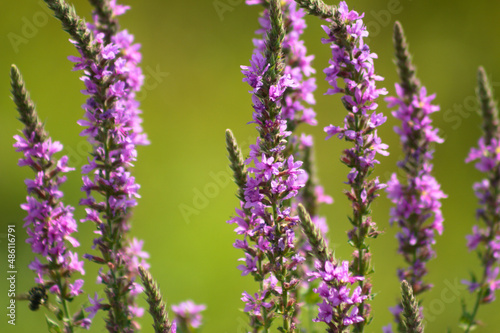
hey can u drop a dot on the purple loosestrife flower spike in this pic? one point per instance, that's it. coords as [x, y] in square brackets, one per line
[352, 62]
[266, 219]
[296, 99]
[49, 223]
[411, 311]
[112, 124]
[486, 240]
[296, 109]
[157, 306]
[417, 203]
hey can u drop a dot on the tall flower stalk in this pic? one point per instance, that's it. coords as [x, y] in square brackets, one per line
[266, 219]
[296, 109]
[352, 62]
[485, 240]
[417, 203]
[110, 60]
[49, 223]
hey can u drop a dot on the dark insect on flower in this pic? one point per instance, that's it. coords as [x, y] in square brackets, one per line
[37, 296]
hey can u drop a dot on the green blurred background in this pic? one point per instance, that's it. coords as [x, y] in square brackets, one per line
[193, 92]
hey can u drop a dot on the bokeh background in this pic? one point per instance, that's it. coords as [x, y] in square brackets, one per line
[191, 58]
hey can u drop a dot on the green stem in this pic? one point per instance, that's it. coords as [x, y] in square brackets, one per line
[68, 322]
[284, 297]
[67, 319]
[476, 308]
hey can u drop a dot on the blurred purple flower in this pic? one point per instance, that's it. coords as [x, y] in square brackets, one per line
[188, 314]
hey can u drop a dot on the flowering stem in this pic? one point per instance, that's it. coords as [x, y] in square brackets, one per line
[49, 223]
[488, 193]
[417, 203]
[112, 78]
[352, 61]
[471, 323]
[66, 319]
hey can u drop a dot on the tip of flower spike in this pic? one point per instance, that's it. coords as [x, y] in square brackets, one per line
[411, 311]
[26, 107]
[314, 235]
[488, 106]
[406, 70]
[398, 29]
[157, 305]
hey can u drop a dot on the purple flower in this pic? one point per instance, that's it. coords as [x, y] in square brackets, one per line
[254, 304]
[353, 318]
[254, 73]
[96, 305]
[335, 292]
[387, 329]
[75, 288]
[250, 264]
[188, 314]
[325, 313]
[276, 91]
